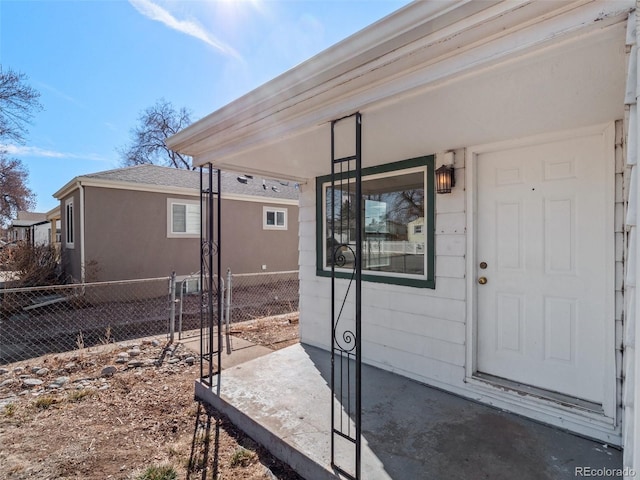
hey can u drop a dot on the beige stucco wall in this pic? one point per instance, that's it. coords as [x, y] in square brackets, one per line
[126, 237]
[246, 246]
[71, 256]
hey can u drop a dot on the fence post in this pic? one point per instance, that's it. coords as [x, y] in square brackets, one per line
[182, 288]
[172, 315]
[228, 312]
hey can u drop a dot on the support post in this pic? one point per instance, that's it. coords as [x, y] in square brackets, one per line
[172, 307]
[345, 252]
[227, 331]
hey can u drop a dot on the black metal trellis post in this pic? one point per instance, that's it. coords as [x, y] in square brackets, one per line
[346, 345]
[210, 216]
[219, 292]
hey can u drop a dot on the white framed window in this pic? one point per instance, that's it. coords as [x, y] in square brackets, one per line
[183, 218]
[274, 218]
[69, 223]
[417, 229]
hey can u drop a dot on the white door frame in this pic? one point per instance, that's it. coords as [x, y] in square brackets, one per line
[605, 427]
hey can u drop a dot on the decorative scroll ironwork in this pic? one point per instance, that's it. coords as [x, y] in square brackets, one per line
[210, 267]
[345, 236]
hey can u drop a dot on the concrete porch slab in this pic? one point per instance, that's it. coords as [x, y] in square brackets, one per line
[241, 350]
[410, 431]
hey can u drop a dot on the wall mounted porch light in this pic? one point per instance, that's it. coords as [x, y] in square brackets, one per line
[445, 177]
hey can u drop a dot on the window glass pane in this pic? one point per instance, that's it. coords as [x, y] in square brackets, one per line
[393, 239]
[271, 218]
[193, 219]
[280, 219]
[69, 222]
[179, 218]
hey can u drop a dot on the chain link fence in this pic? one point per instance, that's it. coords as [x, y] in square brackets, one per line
[38, 320]
[247, 296]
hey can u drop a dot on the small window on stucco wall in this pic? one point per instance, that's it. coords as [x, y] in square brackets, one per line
[274, 218]
[183, 218]
[69, 223]
[398, 236]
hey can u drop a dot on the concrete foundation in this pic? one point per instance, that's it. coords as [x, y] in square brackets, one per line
[410, 431]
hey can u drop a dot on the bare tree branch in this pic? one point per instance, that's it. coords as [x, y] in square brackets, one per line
[18, 103]
[147, 145]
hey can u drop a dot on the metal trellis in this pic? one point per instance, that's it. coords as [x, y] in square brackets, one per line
[210, 266]
[345, 244]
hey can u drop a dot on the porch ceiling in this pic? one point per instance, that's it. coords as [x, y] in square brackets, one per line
[428, 79]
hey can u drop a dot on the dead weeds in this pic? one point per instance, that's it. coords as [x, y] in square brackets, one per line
[140, 420]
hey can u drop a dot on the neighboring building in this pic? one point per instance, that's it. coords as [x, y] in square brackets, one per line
[520, 298]
[144, 221]
[31, 227]
[55, 225]
[416, 231]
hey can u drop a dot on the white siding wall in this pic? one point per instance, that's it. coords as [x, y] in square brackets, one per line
[41, 234]
[418, 332]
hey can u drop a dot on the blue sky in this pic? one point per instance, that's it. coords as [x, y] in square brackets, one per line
[98, 64]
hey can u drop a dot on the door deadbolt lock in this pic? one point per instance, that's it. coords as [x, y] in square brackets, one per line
[483, 265]
[482, 280]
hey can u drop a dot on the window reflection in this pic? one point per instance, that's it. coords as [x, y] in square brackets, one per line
[393, 223]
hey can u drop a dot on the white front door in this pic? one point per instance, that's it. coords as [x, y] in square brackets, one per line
[544, 220]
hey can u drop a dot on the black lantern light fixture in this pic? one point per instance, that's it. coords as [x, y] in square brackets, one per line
[445, 178]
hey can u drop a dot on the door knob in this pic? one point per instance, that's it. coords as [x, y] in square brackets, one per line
[482, 280]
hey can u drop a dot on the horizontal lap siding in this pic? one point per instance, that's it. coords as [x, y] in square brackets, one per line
[417, 332]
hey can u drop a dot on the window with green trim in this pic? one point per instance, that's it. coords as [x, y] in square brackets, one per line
[398, 223]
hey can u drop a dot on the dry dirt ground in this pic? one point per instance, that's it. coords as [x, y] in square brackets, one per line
[86, 421]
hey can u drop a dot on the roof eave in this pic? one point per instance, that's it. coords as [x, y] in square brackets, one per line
[69, 187]
[313, 93]
[308, 74]
[54, 213]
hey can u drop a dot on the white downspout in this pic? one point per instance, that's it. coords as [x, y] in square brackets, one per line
[82, 263]
[635, 453]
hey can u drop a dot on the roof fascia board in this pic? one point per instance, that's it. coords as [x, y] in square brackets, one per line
[398, 35]
[101, 183]
[141, 187]
[350, 97]
[332, 62]
[54, 213]
[69, 187]
[28, 223]
[265, 200]
[211, 158]
[397, 44]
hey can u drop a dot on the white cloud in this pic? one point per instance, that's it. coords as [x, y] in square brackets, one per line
[30, 151]
[159, 14]
[60, 94]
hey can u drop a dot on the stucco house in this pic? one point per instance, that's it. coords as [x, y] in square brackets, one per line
[144, 222]
[524, 295]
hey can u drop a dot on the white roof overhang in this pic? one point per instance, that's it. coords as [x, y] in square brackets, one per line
[83, 181]
[426, 46]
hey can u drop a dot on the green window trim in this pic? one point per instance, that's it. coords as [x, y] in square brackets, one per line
[426, 281]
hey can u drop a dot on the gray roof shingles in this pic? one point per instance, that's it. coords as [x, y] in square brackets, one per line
[173, 177]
